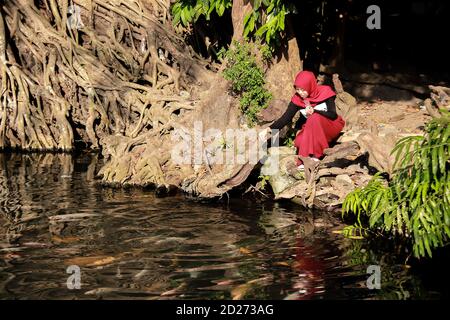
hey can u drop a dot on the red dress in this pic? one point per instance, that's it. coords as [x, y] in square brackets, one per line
[316, 134]
[319, 130]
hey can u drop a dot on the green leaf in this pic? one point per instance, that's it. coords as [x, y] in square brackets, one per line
[442, 159]
[248, 25]
[281, 22]
[210, 10]
[375, 203]
[446, 133]
[268, 35]
[375, 217]
[421, 251]
[184, 20]
[424, 223]
[247, 18]
[176, 18]
[189, 13]
[434, 160]
[261, 31]
[220, 7]
[427, 246]
[425, 192]
[405, 216]
[398, 151]
[388, 220]
[447, 230]
[256, 5]
[197, 11]
[399, 220]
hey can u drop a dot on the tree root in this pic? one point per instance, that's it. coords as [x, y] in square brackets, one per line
[57, 81]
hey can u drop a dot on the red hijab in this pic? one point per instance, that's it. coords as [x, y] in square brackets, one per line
[317, 93]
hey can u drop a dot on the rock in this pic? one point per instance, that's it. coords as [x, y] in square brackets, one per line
[346, 104]
[277, 166]
[345, 180]
[340, 191]
[347, 108]
[387, 129]
[348, 136]
[281, 182]
[274, 111]
[379, 151]
[397, 117]
[185, 94]
[298, 189]
[341, 154]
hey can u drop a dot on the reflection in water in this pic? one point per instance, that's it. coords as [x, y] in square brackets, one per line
[311, 271]
[131, 244]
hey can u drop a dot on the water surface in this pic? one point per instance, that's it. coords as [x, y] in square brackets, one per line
[131, 244]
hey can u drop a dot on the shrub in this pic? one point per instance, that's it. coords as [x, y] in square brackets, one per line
[247, 80]
[415, 203]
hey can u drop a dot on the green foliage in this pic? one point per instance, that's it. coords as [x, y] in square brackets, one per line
[188, 11]
[354, 232]
[416, 202]
[265, 22]
[266, 53]
[263, 181]
[247, 80]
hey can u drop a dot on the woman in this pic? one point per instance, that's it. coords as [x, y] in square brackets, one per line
[319, 126]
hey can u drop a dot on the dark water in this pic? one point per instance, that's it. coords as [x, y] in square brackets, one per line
[132, 244]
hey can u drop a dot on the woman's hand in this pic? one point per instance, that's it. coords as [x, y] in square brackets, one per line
[265, 134]
[309, 110]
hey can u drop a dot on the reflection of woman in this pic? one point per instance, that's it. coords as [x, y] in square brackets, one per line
[310, 269]
[319, 122]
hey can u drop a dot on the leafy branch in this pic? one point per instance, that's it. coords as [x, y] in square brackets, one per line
[415, 203]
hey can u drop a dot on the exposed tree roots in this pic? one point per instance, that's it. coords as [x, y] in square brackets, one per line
[116, 76]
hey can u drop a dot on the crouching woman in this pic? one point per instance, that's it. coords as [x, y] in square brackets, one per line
[319, 123]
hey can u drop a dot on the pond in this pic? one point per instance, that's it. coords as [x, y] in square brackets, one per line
[57, 222]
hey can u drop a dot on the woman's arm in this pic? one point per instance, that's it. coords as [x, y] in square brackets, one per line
[331, 109]
[286, 117]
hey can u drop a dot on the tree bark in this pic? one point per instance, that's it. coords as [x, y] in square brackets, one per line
[239, 10]
[285, 66]
[287, 62]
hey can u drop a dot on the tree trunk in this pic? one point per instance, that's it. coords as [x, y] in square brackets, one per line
[285, 66]
[286, 63]
[239, 10]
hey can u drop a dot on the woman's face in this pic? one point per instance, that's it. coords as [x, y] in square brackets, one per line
[302, 93]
